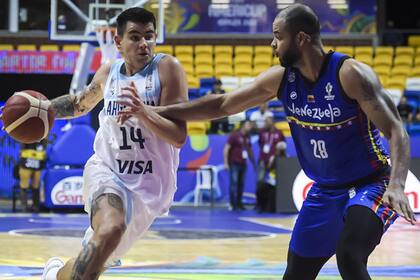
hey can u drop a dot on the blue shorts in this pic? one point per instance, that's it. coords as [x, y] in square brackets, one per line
[321, 218]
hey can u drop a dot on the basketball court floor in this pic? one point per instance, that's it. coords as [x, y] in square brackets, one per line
[193, 243]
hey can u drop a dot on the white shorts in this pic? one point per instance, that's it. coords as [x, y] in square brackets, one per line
[98, 180]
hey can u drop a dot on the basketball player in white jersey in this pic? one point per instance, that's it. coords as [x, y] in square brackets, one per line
[131, 178]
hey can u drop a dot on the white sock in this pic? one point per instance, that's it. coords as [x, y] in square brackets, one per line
[52, 273]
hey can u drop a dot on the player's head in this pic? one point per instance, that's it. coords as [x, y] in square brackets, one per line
[136, 35]
[294, 28]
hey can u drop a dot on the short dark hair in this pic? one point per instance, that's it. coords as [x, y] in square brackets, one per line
[135, 14]
[299, 17]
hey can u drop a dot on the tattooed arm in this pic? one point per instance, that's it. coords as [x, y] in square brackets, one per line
[360, 83]
[75, 105]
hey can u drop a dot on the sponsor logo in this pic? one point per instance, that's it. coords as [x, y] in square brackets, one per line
[68, 191]
[293, 95]
[328, 90]
[149, 82]
[316, 113]
[292, 77]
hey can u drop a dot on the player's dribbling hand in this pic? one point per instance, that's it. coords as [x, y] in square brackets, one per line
[133, 103]
[396, 198]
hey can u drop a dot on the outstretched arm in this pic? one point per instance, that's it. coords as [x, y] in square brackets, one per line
[74, 105]
[214, 106]
[361, 84]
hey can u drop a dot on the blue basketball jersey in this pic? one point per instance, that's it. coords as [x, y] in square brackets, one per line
[335, 142]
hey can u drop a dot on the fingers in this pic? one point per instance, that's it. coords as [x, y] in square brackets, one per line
[134, 99]
[408, 213]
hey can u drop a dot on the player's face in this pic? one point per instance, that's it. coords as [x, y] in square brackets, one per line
[284, 44]
[137, 44]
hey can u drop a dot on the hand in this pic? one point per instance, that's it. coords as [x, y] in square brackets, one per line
[133, 103]
[395, 197]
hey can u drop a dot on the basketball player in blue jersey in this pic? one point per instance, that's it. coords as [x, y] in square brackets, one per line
[335, 106]
[131, 178]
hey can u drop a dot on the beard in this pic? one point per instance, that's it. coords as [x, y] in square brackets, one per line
[290, 57]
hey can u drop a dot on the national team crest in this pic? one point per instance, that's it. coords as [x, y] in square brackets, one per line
[149, 82]
[328, 90]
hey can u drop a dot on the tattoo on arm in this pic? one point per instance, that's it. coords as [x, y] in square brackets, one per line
[82, 262]
[370, 94]
[72, 105]
[115, 201]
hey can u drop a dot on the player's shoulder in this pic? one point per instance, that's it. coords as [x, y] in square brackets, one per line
[352, 68]
[169, 60]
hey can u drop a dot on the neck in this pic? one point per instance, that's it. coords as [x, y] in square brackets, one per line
[311, 63]
[131, 69]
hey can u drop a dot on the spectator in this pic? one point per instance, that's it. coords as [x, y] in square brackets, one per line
[416, 119]
[405, 110]
[266, 191]
[259, 116]
[236, 152]
[222, 124]
[32, 161]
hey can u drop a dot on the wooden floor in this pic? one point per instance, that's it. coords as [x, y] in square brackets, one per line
[193, 244]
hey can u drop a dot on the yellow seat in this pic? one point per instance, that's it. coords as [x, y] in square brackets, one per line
[403, 60]
[244, 50]
[365, 58]
[263, 51]
[328, 48]
[414, 40]
[387, 51]
[243, 70]
[223, 59]
[227, 50]
[49, 47]
[71, 48]
[243, 58]
[262, 59]
[396, 83]
[404, 50]
[196, 128]
[348, 50]
[26, 47]
[415, 72]
[204, 71]
[188, 68]
[400, 70]
[204, 59]
[203, 50]
[168, 49]
[258, 69]
[183, 50]
[6, 47]
[382, 70]
[384, 80]
[275, 60]
[363, 50]
[223, 70]
[417, 60]
[193, 81]
[283, 127]
[185, 58]
[382, 60]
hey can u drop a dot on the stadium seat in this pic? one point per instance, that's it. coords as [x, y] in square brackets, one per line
[244, 50]
[193, 81]
[365, 58]
[415, 72]
[385, 60]
[25, 47]
[223, 59]
[417, 60]
[345, 49]
[242, 59]
[48, 47]
[262, 59]
[185, 58]
[263, 51]
[363, 50]
[275, 61]
[206, 50]
[6, 47]
[283, 127]
[258, 69]
[403, 70]
[396, 83]
[183, 50]
[188, 68]
[223, 70]
[204, 59]
[383, 79]
[230, 83]
[403, 60]
[226, 50]
[414, 40]
[242, 70]
[328, 48]
[168, 49]
[197, 128]
[386, 51]
[71, 48]
[404, 51]
[204, 71]
[382, 70]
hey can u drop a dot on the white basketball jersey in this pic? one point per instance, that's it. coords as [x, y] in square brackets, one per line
[142, 161]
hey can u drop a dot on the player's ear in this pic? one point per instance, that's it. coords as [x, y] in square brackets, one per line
[302, 38]
[117, 40]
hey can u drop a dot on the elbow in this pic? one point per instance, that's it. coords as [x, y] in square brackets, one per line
[181, 139]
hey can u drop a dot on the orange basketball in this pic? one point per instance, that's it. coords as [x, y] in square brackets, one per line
[27, 116]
